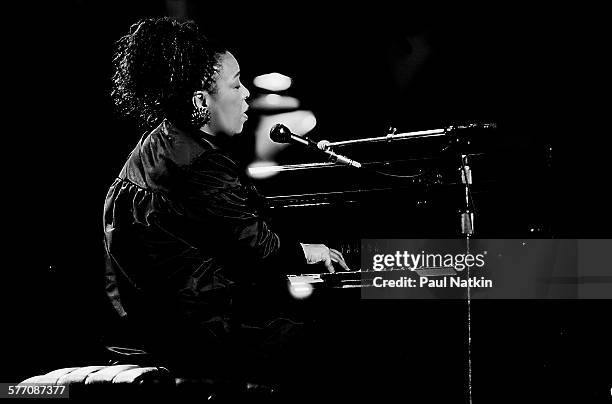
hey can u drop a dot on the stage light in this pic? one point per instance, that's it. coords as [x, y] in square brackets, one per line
[274, 101]
[300, 290]
[300, 122]
[273, 82]
[263, 169]
[308, 123]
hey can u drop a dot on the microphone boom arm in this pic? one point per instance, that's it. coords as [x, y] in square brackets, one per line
[406, 136]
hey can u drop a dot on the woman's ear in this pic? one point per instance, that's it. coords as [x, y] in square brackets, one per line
[199, 99]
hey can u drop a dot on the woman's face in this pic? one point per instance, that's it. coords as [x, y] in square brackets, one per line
[227, 104]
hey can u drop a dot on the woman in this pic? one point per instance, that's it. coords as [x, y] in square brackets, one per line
[183, 227]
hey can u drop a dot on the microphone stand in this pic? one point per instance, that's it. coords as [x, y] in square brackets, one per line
[388, 138]
[467, 229]
[392, 136]
[467, 214]
[468, 211]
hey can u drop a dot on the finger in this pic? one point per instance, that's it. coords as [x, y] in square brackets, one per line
[338, 252]
[339, 259]
[328, 265]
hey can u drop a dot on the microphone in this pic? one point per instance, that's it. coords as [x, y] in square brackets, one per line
[281, 134]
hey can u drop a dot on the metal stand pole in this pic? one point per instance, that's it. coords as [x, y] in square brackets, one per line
[467, 229]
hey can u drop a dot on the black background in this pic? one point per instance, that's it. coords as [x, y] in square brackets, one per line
[357, 68]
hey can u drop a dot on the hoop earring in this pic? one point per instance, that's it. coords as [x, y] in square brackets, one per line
[200, 116]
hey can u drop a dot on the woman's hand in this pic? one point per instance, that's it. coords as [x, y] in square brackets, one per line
[316, 253]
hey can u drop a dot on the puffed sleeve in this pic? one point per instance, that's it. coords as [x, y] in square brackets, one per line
[222, 218]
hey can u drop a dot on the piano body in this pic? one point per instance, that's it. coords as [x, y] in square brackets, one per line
[413, 189]
[404, 190]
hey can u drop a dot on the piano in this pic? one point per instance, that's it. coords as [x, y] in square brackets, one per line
[413, 190]
[407, 340]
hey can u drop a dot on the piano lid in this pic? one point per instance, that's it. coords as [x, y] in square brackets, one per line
[414, 188]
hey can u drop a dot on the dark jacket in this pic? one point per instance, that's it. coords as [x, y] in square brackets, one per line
[184, 232]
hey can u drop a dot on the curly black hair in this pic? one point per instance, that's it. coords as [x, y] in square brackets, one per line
[157, 67]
